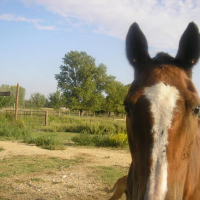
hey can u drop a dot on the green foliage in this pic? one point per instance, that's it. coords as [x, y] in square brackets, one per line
[96, 126]
[109, 175]
[1, 149]
[50, 143]
[115, 94]
[20, 123]
[10, 129]
[118, 140]
[23, 165]
[4, 101]
[84, 140]
[10, 100]
[92, 131]
[92, 140]
[81, 81]
[56, 100]
[37, 100]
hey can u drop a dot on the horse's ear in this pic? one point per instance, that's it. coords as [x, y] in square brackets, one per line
[136, 46]
[189, 47]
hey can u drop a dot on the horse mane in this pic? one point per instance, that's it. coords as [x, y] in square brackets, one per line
[163, 58]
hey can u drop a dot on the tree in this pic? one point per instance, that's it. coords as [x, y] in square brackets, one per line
[115, 94]
[56, 100]
[4, 101]
[10, 100]
[81, 81]
[38, 100]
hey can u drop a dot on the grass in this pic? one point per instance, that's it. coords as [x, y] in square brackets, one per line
[1, 149]
[23, 165]
[109, 175]
[90, 125]
[63, 137]
[50, 140]
[115, 140]
[2, 198]
[37, 180]
[87, 131]
[19, 165]
[50, 143]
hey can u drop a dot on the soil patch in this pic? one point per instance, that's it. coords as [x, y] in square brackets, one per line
[78, 182]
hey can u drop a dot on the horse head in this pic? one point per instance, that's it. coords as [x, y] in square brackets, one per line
[162, 108]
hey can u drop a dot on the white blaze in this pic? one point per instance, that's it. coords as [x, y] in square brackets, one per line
[162, 100]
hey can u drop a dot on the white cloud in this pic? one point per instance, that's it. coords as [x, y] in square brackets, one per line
[7, 17]
[35, 22]
[162, 21]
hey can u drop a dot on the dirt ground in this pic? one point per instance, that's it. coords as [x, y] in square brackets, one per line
[77, 182]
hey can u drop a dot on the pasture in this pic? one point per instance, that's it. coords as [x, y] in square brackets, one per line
[30, 170]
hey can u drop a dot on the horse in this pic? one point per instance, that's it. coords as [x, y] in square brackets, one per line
[162, 107]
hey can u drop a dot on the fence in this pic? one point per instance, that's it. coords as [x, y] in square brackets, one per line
[42, 116]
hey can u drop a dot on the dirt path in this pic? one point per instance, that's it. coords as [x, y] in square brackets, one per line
[74, 183]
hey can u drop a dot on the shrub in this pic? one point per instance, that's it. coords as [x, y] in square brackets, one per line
[20, 123]
[95, 126]
[119, 140]
[13, 130]
[83, 139]
[46, 143]
[102, 141]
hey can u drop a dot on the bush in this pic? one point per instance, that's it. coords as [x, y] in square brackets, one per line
[46, 143]
[83, 139]
[118, 140]
[12, 129]
[102, 141]
[20, 123]
[49, 143]
[95, 126]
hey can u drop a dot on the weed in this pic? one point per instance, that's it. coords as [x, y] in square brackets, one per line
[1, 149]
[23, 165]
[109, 175]
[93, 131]
[9, 128]
[98, 126]
[50, 143]
[117, 140]
[37, 180]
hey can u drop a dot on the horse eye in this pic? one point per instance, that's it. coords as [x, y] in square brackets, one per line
[126, 108]
[196, 110]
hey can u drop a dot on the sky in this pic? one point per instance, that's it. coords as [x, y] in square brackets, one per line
[36, 34]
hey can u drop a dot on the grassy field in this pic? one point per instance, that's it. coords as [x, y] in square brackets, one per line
[19, 165]
[33, 172]
[109, 175]
[87, 131]
[43, 176]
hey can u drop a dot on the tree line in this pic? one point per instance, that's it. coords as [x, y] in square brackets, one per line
[82, 85]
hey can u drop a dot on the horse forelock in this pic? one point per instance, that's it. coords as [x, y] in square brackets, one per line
[163, 99]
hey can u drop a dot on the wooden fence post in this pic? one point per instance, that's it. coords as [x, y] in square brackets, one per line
[17, 102]
[46, 118]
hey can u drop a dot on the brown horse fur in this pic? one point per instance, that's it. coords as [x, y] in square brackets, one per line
[118, 189]
[163, 130]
